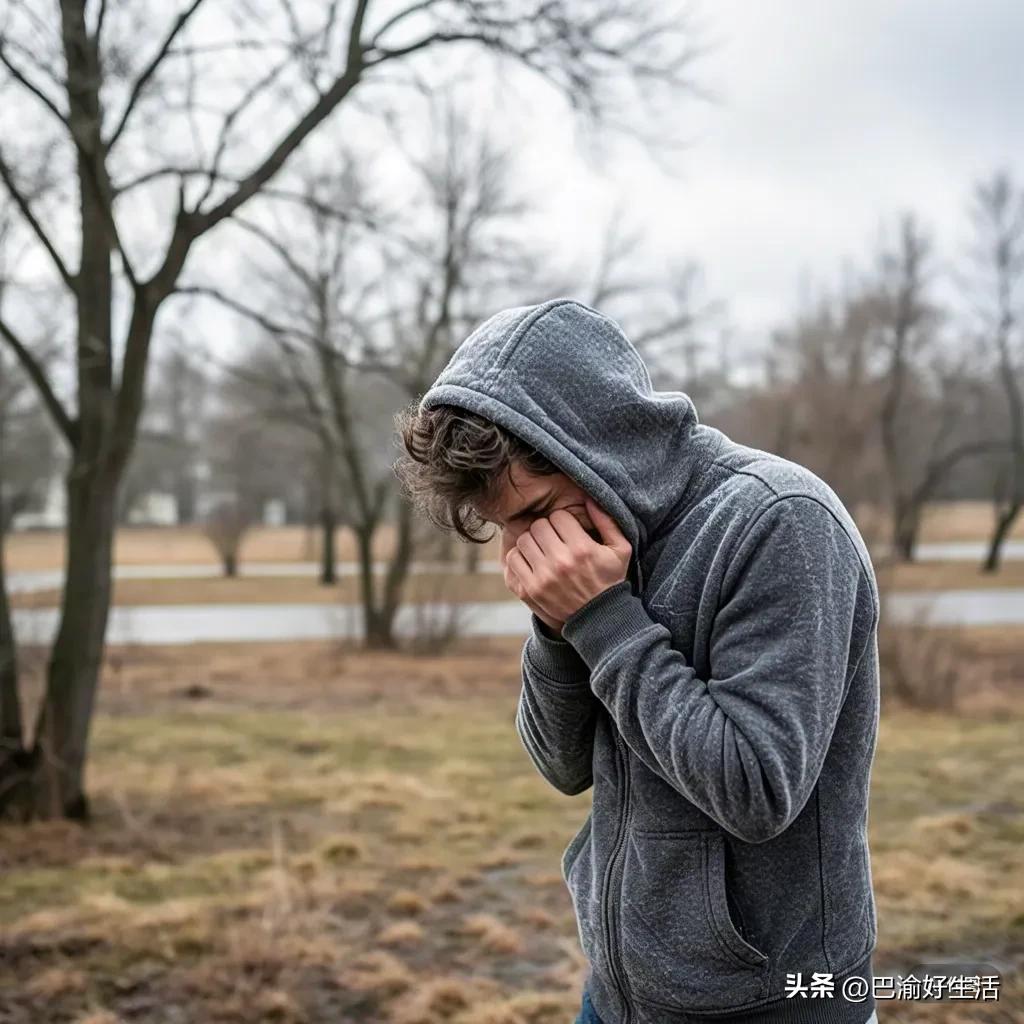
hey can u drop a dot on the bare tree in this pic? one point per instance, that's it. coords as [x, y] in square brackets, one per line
[153, 111]
[819, 401]
[258, 389]
[27, 460]
[906, 320]
[997, 215]
[225, 525]
[366, 312]
[924, 438]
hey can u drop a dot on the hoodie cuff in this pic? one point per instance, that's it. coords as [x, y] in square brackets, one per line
[555, 659]
[606, 621]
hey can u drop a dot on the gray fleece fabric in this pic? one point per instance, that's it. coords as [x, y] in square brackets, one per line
[722, 701]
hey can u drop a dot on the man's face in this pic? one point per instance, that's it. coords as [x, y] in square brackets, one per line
[526, 498]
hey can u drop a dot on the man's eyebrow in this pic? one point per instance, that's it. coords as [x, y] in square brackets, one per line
[534, 506]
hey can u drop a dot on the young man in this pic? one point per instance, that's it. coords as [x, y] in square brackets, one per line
[702, 652]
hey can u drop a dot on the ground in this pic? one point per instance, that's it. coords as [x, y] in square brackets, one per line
[307, 833]
[302, 832]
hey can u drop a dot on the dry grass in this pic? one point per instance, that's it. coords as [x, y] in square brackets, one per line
[943, 521]
[187, 545]
[281, 590]
[463, 587]
[962, 520]
[401, 933]
[406, 901]
[495, 936]
[948, 576]
[328, 834]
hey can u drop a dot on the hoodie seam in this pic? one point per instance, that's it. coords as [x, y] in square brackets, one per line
[746, 472]
[778, 496]
[781, 496]
[518, 333]
[826, 902]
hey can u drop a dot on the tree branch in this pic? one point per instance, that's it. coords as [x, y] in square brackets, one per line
[19, 76]
[150, 70]
[280, 248]
[261, 319]
[266, 192]
[37, 375]
[326, 103]
[248, 97]
[399, 16]
[384, 55]
[26, 211]
[101, 17]
[254, 182]
[278, 330]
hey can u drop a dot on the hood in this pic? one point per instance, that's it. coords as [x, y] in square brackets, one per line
[566, 379]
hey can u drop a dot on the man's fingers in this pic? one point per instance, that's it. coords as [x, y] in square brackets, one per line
[567, 526]
[530, 550]
[518, 565]
[607, 527]
[552, 538]
[514, 582]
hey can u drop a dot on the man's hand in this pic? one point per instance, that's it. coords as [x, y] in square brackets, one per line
[555, 567]
[513, 583]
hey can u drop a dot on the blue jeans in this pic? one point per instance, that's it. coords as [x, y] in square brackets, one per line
[588, 1015]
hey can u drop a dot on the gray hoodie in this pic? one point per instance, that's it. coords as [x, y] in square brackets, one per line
[722, 701]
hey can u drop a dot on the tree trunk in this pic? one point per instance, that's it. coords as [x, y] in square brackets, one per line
[379, 616]
[907, 527]
[378, 624]
[1007, 514]
[328, 526]
[11, 730]
[62, 728]
[377, 628]
[230, 563]
[1004, 524]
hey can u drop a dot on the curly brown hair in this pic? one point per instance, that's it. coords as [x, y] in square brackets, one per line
[454, 464]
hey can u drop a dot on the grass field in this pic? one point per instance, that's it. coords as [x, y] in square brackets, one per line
[281, 590]
[185, 545]
[304, 833]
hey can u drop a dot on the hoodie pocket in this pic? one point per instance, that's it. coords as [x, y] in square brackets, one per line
[576, 844]
[584, 884]
[680, 947]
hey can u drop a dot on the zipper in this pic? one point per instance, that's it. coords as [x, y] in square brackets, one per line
[620, 842]
[610, 943]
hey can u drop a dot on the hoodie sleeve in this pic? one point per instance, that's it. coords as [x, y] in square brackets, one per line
[746, 746]
[557, 711]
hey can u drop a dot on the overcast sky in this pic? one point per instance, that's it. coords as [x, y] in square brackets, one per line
[832, 117]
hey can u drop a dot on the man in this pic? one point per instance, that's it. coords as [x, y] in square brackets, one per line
[702, 652]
